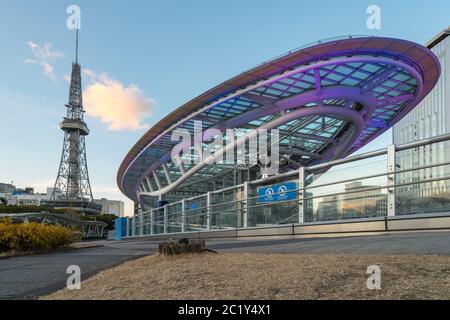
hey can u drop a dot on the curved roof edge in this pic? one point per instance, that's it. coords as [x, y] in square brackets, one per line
[261, 71]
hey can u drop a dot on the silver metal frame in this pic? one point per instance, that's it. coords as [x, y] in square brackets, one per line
[243, 205]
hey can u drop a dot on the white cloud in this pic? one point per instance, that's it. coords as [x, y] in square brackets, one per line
[67, 77]
[119, 106]
[43, 56]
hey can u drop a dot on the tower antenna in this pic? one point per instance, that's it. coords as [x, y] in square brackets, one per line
[76, 48]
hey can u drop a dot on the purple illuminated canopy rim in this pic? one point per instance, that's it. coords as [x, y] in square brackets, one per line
[356, 88]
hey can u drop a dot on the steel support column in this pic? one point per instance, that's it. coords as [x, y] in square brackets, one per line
[208, 211]
[301, 195]
[152, 217]
[245, 205]
[156, 177]
[167, 173]
[149, 183]
[391, 165]
[183, 215]
[166, 217]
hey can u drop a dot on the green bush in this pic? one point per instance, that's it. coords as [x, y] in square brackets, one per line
[33, 237]
[23, 209]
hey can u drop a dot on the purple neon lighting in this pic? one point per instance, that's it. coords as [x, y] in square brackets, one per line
[384, 84]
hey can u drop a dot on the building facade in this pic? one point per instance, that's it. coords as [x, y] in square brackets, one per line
[7, 188]
[359, 201]
[430, 118]
[115, 207]
[23, 196]
[26, 199]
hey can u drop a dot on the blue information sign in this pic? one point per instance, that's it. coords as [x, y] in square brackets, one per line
[278, 192]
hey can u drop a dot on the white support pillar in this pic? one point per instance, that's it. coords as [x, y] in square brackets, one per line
[166, 217]
[158, 182]
[149, 183]
[301, 195]
[167, 173]
[182, 167]
[245, 205]
[151, 221]
[141, 226]
[391, 167]
[133, 226]
[208, 211]
[183, 215]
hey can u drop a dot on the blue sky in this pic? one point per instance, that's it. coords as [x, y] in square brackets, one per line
[161, 53]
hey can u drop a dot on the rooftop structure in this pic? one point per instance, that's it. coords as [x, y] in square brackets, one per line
[327, 100]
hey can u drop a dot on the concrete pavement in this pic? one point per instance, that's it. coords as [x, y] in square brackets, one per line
[30, 276]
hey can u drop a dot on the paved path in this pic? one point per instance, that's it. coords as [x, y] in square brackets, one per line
[31, 276]
[405, 243]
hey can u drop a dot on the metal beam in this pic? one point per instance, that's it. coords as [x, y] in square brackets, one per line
[167, 172]
[349, 115]
[149, 183]
[166, 218]
[305, 69]
[208, 211]
[391, 166]
[263, 100]
[245, 214]
[395, 100]
[301, 195]
[182, 167]
[183, 215]
[378, 79]
[299, 152]
[295, 134]
[158, 182]
[317, 81]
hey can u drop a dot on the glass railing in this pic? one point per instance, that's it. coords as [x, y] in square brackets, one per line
[362, 186]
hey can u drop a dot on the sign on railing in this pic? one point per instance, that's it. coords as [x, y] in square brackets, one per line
[277, 192]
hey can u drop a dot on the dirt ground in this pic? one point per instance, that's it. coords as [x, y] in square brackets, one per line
[268, 276]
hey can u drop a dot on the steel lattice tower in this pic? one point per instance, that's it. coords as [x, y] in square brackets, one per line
[72, 187]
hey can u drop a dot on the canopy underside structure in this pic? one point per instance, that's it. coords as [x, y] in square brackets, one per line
[327, 100]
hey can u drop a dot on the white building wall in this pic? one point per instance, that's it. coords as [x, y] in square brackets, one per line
[115, 207]
[26, 199]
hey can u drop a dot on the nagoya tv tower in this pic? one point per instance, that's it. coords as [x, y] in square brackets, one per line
[72, 187]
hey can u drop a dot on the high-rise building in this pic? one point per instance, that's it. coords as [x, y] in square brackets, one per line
[358, 201]
[429, 118]
[115, 207]
[7, 188]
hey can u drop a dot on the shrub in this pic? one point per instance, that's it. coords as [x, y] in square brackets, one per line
[23, 209]
[33, 237]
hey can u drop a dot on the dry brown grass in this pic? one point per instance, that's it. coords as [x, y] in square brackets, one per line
[268, 276]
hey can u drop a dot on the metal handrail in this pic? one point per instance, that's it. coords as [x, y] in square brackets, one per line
[328, 195]
[245, 201]
[318, 186]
